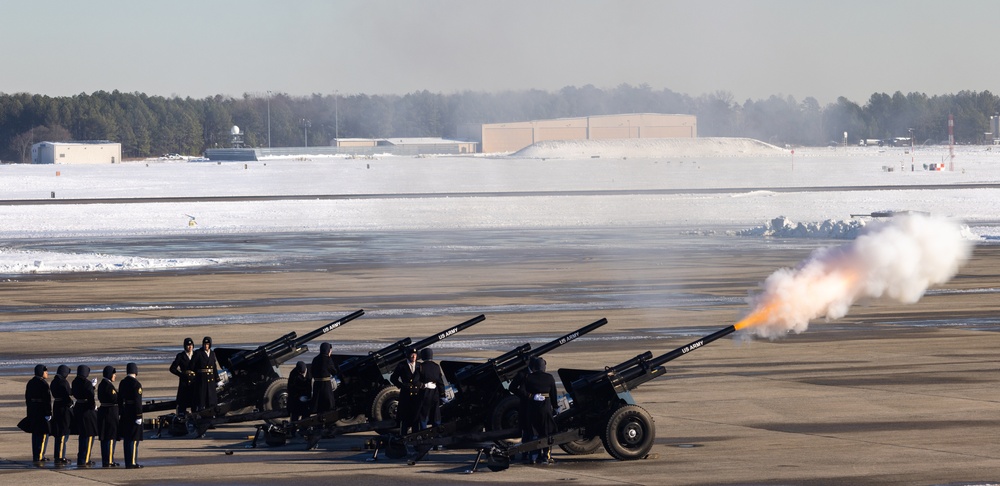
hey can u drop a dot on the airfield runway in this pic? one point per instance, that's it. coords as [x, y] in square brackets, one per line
[891, 394]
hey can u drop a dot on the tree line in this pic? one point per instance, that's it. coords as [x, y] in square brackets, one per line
[154, 125]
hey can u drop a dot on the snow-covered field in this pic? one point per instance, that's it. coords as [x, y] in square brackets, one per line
[744, 187]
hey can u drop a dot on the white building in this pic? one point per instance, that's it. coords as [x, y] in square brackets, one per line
[78, 152]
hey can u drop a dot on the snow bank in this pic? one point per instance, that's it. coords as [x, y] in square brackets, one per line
[783, 227]
[650, 147]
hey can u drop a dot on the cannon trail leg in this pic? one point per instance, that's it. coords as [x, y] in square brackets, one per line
[475, 465]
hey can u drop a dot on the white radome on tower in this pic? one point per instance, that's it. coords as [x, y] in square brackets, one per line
[235, 130]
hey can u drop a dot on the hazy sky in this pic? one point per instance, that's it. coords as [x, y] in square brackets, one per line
[752, 48]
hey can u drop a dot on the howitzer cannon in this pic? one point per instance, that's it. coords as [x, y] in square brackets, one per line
[482, 400]
[363, 389]
[602, 407]
[249, 379]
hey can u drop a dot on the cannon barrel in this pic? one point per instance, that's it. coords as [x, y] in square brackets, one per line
[373, 356]
[329, 327]
[287, 346]
[423, 343]
[517, 359]
[549, 346]
[395, 352]
[645, 367]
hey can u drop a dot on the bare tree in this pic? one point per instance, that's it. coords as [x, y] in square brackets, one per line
[22, 142]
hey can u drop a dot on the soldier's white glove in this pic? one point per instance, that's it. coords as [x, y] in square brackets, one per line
[93, 381]
[138, 421]
[539, 397]
[48, 417]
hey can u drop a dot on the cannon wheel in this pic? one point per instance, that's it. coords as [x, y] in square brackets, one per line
[582, 447]
[630, 433]
[505, 414]
[275, 398]
[385, 405]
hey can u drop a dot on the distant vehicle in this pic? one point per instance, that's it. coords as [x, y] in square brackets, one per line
[870, 142]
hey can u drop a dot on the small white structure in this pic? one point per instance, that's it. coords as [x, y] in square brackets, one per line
[78, 152]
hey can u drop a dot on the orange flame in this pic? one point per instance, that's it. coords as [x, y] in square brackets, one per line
[759, 315]
[846, 278]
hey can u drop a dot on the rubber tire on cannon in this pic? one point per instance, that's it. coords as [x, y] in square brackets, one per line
[275, 398]
[582, 447]
[385, 406]
[505, 415]
[629, 433]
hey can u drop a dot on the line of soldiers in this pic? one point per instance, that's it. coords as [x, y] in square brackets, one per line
[198, 377]
[60, 409]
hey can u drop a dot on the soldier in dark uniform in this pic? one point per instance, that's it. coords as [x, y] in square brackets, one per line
[185, 377]
[406, 378]
[539, 393]
[522, 409]
[130, 422]
[38, 400]
[299, 393]
[323, 370]
[432, 381]
[107, 416]
[206, 369]
[84, 415]
[62, 417]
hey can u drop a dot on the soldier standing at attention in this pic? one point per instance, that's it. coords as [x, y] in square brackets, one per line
[130, 423]
[432, 389]
[38, 400]
[206, 369]
[84, 415]
[299, 393]
[181, 367]
[107, 416]
[323, 370]
[539, 391]
[406, 379]
[62, 417]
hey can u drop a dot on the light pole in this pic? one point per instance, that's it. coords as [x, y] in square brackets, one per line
[305, 131]
[268, 119]
[911, 148]
[336, 115]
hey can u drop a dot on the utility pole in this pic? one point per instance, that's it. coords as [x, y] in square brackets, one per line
[305, 131]
[268, 119]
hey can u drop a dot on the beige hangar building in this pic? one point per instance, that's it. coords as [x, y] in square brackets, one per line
[79, 152]
[511, 137]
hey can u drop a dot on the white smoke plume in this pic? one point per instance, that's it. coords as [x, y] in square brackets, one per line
[898, 259]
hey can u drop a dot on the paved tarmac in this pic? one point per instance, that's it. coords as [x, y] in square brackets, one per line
[891, 394]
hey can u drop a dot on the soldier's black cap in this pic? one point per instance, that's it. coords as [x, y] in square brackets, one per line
[426, 354]
[188, 342]
[411, 350]
[132, 369]
[325, 348]
[40, 370]
[206, 340]
[109, 371]
[63, 371]
[83, 371]
[537, 364]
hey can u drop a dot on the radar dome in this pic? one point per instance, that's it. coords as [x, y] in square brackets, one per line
[235, 130]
